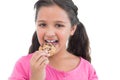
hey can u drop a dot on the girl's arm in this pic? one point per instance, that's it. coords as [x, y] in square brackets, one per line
[19, 71]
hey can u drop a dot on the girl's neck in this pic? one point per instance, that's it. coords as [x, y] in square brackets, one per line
[63, 62]
[60, 55]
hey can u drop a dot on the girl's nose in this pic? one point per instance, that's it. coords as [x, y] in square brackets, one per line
[50, 33]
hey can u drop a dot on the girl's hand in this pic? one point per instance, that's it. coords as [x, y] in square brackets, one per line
[38, 63]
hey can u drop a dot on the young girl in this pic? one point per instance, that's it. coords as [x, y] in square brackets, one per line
[57, 23]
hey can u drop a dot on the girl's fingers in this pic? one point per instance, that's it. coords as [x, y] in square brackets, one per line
[37, 55]
[42, 61]
[39, 59]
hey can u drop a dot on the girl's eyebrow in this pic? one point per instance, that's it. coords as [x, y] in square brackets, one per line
[40, 20]
[60, 21]
[55, 21]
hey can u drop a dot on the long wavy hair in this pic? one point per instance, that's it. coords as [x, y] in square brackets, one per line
[78, 44]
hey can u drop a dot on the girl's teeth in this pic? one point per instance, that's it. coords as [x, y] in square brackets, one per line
[50, 41]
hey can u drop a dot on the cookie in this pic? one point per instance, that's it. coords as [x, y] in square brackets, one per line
[48, 47]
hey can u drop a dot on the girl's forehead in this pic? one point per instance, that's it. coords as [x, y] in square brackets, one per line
[52, 9]
[52, 12]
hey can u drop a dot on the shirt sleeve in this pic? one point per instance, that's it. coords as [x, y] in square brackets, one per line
[92, 74]
[19, 72]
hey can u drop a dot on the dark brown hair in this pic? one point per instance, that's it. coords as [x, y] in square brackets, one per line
[78, 44]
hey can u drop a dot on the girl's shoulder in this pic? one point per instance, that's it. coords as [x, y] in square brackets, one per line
[84, 61]
[24, 61]
[85, 64]
[25, 58]
[21, 68]
[88, 68]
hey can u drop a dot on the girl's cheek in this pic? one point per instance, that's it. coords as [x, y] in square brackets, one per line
[40, 32]
[65, 33]
[40, 36]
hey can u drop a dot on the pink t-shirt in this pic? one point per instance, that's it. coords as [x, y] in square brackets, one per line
[84, 71]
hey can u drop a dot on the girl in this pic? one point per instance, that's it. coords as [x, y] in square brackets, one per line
[57, 23]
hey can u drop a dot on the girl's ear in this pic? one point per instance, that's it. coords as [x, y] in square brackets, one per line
[73, 29]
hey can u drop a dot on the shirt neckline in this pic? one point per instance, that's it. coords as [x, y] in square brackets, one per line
[66, 72]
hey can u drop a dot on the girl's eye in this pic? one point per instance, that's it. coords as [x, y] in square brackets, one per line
[59, 25]
[42, 25]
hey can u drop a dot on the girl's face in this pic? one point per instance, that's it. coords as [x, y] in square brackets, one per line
[53, 26]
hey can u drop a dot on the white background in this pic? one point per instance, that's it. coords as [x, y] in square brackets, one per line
[100, 17]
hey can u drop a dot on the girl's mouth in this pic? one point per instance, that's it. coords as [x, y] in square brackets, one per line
[54, 42]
